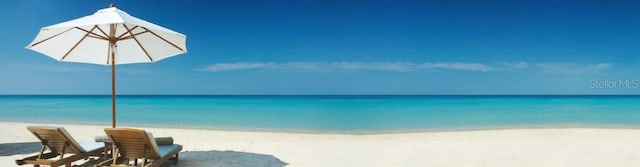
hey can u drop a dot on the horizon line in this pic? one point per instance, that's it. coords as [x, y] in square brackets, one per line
[322, 95]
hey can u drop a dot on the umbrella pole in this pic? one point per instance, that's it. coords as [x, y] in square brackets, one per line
[112, 48]
[113, 88]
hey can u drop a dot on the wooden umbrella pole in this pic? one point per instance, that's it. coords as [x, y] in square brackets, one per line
[113, 87]
[112, 46]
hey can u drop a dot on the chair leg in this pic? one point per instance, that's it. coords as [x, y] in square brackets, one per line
[41, 151]
[105, 151]
[176, 160]
[114, 153]
[64, 149]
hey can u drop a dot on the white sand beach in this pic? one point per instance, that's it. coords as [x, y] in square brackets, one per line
[492, 148]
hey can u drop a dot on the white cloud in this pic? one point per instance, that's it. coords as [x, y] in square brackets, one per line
[237, 66]
[516, 65]
[459, 66]
[378, 66]
[571, 68]
[302, 66]
[347, 66]
[600, 66]
[562, 68]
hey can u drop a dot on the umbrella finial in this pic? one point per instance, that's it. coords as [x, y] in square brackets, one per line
[112, 5]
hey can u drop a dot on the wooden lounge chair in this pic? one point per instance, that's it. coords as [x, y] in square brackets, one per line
[135, 144]
[59, 143]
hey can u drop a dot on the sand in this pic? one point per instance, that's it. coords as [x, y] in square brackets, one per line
[564, 147]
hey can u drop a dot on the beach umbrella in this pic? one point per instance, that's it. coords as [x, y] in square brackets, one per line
[108, 37]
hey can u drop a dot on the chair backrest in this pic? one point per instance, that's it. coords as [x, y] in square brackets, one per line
[55, 138]
[134, 143]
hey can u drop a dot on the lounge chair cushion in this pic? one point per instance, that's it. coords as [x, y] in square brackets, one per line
[164, 140]
[159, 140]
[154, 145]
[166, 149]
[102, 138]
[71, 140]
[90, 146]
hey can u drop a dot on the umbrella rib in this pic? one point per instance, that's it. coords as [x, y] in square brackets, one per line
[104, 33]
[78, 43]
[138, 42]
[50, 37]
[90, 32]
[131, 36]
[165, 40]
[128, 31]
[140, 33]
[97, 37]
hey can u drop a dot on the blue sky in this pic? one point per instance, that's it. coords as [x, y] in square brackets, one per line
[347, 47]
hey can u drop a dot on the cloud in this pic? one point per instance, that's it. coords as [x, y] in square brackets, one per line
[562, 68]
[377, 66]
[516, 65]
[347, 66]
[237, 66]
[600, 66]
[571, 68]
[459, 66]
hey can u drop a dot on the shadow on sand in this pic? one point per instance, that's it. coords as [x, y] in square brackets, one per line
[228, 159]
[210, 158]
[9, 149]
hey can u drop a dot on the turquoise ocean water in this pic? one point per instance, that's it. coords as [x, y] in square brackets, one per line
[342, 114]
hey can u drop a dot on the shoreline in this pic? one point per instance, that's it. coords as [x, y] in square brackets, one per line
[349, 132]
[585, 147]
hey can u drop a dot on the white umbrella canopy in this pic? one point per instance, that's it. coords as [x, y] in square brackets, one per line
[87, 39]
[108, 37]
